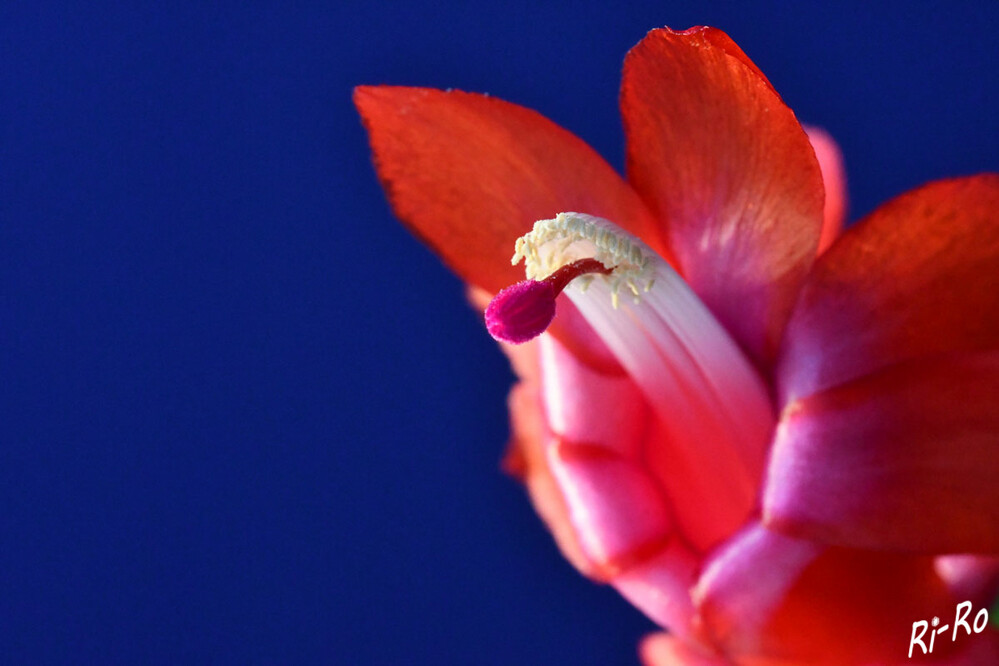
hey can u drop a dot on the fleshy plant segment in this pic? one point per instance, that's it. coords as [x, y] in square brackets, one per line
[862, 365]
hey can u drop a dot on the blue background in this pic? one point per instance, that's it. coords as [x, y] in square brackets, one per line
[245, 417]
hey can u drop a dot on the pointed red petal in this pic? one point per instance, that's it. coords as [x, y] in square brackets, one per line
[768, 596]
[918, 276]
[729, 171]
[834, 179]
[469, 174]
[904, 459]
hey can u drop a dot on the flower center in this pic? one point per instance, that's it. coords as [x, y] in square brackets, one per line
[713, 418]
[556, 252]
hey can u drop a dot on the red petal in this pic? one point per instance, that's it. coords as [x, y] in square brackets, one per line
[469, 174]
[834, 179]
[905, 459]
[728, 169]
[719, 39]
[768, 596]
[918, 276]
[660, 587]
[701, 479]
[584, 405]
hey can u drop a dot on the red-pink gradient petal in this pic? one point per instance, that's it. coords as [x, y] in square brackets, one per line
[767, 598]
[526, 460]
[729, 172]
[919, 276]
[577, 444]
[616, 508]
[904, 459]
[618, 514]
[834, 179]
[696, 481]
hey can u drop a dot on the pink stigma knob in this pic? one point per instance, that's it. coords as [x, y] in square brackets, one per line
[523, 311]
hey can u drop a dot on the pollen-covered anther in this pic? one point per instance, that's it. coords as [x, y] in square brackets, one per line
[556, 252]
[572, 236]
[523, 311]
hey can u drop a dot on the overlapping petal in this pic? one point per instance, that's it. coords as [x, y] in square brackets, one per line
[919, 276]
[660, 586]
[728, 169]
[904, 459]
[597, 424]
[767, 598]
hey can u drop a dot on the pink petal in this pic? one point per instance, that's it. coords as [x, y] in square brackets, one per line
[580, 459]
[660, 587]
[584, 405]
[919, 276]
[729, 171]
[663, 649]
[597, 423]
[615, 508]
[904, 459]
[526, 460]
[834, 179]
[768, 597]
[973, 577]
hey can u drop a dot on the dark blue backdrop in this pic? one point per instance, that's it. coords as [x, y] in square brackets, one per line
[245, 418]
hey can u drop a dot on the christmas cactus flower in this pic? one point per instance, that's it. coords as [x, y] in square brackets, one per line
[777, 439]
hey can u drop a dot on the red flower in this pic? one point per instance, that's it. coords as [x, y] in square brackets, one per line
[779, 455]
